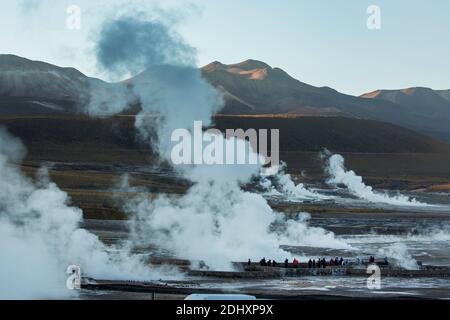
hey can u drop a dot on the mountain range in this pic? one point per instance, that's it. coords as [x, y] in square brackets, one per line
[250, 88]
[253, 87]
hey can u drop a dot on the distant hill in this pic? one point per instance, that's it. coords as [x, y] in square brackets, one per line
[430, 107]
[35, 87]
[20, 77]
[250, 88]
[254, 87]
[338, 134]
[80, 138]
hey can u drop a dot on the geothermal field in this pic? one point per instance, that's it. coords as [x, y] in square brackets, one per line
[169, 180]
[141, 230]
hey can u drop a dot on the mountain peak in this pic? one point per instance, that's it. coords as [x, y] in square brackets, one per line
[21, 77]
[251, 64]
[413, 90]
[11, 61]
[249, 69]
[247, 65]
[215, 65]
[406, 91]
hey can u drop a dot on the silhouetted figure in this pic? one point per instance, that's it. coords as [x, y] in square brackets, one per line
[274, 263]
[372, 259]
[286, 263]
[295, 263]
[269, 263]
[310, 263]
[263, 262]
[386, 262]
[331, 262]
[249, 262]
[324, 263]
[314, 263]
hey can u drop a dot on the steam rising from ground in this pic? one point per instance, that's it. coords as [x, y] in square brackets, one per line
[169, 87]
[40, 237]
[282, 184]
[399, 248]
[339, 175]
[215, 221]
[399, 253]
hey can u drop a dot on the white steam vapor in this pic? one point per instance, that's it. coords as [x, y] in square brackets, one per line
[398, 252]
[169, 87]
[282, 184]
[215, 220]
[28, 6]
[40, 237]
[339, 175]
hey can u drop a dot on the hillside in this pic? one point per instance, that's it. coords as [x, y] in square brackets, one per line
[254, 87]
[312, 134]
[250, 88]
[35, 87]
[432, 106]
[20, 77]
[79, 138]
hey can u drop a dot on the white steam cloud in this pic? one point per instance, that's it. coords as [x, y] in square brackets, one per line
[169, 88]
[283, 185]
[339, 175]
[40, 236]
[398, 252]
[215, 221]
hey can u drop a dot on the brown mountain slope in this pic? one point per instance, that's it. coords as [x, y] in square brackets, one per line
[253, 87]
[250, 87]
[338, 134]
[432, 106]
[79, 138]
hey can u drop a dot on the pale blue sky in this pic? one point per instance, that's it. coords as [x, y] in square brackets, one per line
[321, 42]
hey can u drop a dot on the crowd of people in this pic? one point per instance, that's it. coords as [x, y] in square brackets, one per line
[322, 263]
[265, 263]
[312, 263]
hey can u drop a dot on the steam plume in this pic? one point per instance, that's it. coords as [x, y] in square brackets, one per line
[339, 175]
[215, 221]
[40, 237]
[282, 184]
[398, 252]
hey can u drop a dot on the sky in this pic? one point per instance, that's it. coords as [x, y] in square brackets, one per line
[320, 42]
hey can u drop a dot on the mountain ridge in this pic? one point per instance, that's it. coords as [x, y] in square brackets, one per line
[249, 87]
[271, 90]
